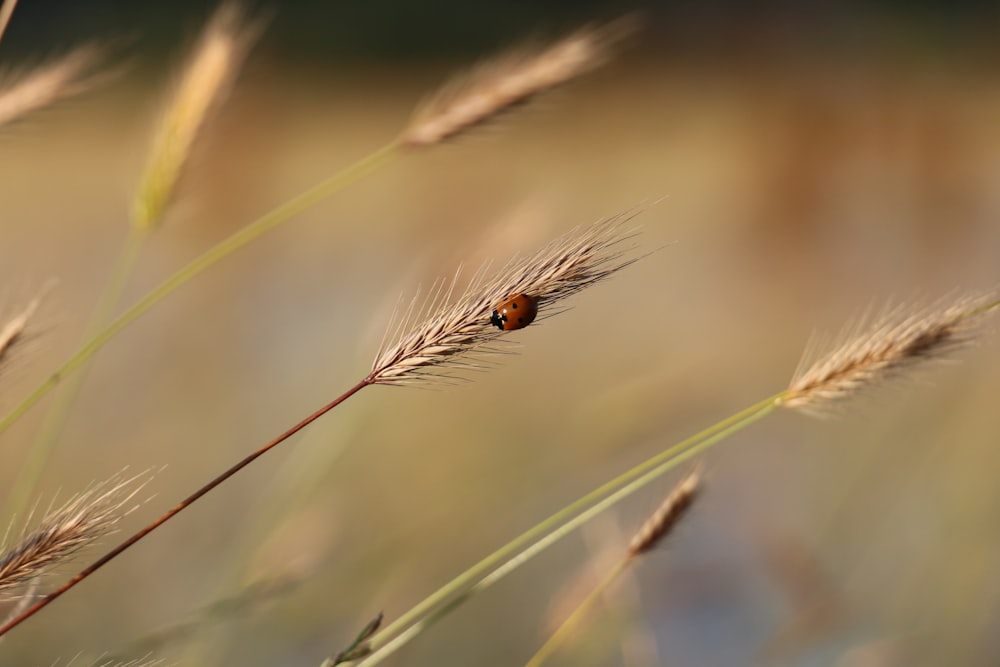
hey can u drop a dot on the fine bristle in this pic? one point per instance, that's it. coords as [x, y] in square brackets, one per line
[666, 517]
[454, 335]
[507, 82]
[895, 342]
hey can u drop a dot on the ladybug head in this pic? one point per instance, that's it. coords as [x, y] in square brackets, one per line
[497, 320]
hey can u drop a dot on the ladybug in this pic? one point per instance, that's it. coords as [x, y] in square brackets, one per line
[515, 312]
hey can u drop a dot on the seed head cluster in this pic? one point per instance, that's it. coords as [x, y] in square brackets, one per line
[214, 64]
[895, 343]
[12, 331]
[46, 84]
[64, 531]
[666, 517]
[453, 335]
[508, 82]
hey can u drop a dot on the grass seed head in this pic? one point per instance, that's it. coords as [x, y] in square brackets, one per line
[47, 84]
[892, 345]
[666, 517]
[65, 531]
[12, 331]
[449, 335]
[206, 80]
[510, 81]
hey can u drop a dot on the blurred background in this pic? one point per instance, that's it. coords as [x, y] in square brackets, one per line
[812, 163]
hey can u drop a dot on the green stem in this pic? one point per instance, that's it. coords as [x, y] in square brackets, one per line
[256, 228]
[515, 553]
[41, 449]
[573, 620]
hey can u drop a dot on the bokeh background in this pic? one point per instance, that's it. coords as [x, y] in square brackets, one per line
[812, 163]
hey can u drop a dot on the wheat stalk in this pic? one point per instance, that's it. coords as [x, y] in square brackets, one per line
[502, 84]
[213, 66]
[666, 517]
[458, 335]
[895, 343]
[68, 529]
[46, 84]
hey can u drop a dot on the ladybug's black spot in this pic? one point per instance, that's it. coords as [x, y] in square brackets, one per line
[513, 305]
[520, 320]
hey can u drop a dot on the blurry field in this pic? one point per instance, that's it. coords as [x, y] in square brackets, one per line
[798, 190]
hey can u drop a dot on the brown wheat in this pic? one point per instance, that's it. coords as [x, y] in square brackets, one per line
[498, 86]
[46, 84]
[454, 335]
[666, 517]
[207, 78]
[895, 342]
[13, 330]
[63, 532]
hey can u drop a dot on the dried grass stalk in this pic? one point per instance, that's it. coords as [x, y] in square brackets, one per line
[666, 517]
[455, 335]
[49, 83]
[207, 78]
[498, 86]
[63, 532]
[895, 343]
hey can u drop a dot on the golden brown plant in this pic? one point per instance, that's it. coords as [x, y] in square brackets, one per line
[894, 343]
[499, 86]
[455, 336]
[46, 84]
[63, 532]
[666, 517]
[217, 59]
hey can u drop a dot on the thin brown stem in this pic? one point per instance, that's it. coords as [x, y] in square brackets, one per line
[187, 502]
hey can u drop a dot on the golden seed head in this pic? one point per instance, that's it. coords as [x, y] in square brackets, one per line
[666, 517]
[896, 342]
[507, 82]
[64, 531]
[454, 335]
[44, 85]
[213, 67]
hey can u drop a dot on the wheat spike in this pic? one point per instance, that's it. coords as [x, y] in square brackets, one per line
[209, 75]
[454, 335]
[63, 532]
[498, 86]
[46, 84]
[13, 330]
[666, 517]
[896, 342]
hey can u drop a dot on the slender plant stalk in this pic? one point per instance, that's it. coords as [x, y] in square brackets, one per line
[32, 468]
[258, 227]
[518, 551]
[573, 620]
[187, 502]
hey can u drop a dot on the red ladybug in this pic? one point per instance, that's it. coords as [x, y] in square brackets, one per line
[515, 312]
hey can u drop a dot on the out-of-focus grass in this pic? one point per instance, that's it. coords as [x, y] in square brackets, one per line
[795, 196]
